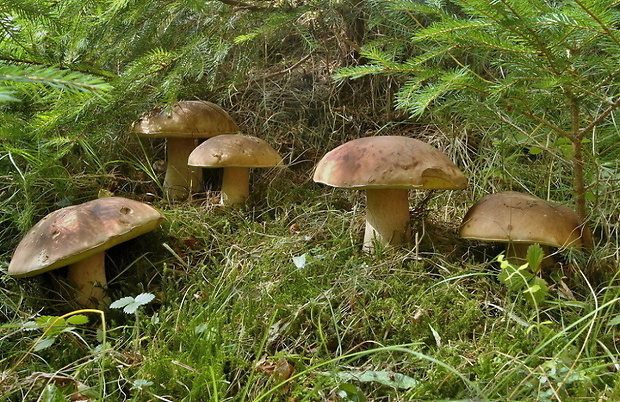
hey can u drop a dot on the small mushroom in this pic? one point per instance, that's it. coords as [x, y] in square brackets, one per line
[236, 154]
[77, 236]
[521, 220]
[183, 126]
[387, 167]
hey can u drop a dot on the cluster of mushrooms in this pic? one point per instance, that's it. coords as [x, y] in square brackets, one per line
[386, 167]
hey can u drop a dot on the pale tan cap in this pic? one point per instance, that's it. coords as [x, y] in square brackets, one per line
[186, 119]
[516, 217]
[234, 151]
[388, 162]
[73, 233]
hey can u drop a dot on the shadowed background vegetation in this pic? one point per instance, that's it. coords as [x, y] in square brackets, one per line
[276, 300]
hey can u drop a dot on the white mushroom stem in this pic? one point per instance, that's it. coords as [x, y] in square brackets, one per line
[89, 277]
[387, 217]
[235, 185]
[180, 178]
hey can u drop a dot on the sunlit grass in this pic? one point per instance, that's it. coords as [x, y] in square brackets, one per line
[241, 291]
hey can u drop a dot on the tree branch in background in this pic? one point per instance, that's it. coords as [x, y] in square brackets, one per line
[243, 5]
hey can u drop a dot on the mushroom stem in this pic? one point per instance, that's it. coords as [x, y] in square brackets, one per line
[235, 185]
[387, 217]
[516, 254]
[180, 178]
[89, 277]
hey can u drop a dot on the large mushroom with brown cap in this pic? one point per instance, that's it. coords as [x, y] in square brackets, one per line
[521, 220]
[236, 154]
[77, 236]
[182, 126]
[387, 167]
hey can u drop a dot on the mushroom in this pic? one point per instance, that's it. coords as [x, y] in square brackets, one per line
[236, 154]
[387, 167]
[77, 236]
[521, 220]
[182, 126]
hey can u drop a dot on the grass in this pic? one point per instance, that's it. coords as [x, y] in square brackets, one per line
[276, 301]
[283, 281]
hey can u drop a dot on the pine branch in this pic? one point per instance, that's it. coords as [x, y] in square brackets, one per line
[244, 6]
[53, 77]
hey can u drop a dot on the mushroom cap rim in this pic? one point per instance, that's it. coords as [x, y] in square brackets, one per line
[71, 257]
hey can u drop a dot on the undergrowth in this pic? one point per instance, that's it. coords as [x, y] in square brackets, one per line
[276, 300]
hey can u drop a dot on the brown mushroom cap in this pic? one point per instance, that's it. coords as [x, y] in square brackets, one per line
[187, 119]
[521, 218]
[234, 151]
[182, 126]
[76, 232]
[388, 162]
[236, 154]
[386, 167]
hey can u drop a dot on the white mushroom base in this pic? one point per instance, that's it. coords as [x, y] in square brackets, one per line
[89, 277]
[180, 178]
[235, 185]
[387, 217]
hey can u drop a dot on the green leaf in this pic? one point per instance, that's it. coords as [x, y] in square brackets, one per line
[515, 278]
[130, 305]
[350, 393]
[389, 378]
[78, 319]
[614, 321]
[535, 150]
[144, 298]
[122, 302]
[140, 384]
[535, 255]
[44, 343]
[537, 291]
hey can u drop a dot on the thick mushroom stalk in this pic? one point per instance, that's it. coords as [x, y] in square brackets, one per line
[235, 185]
[182, 126]
[77, 236]
[90, 280]
[236, 154]
[180, 178]
[387, 217]
[386, 167]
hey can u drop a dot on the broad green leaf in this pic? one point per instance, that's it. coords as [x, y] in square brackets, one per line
[130, 305]
[122, 302]
[144, 298]
[389, 378]
[535, 255]
[47, 320]
[44, 343]
[78, 319]
[535, 150]
[350, 393]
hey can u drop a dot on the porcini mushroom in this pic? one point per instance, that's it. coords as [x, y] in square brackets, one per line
[236, 154]
[521, 220]
[182, 126]
[387, 167]
[77, 236]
